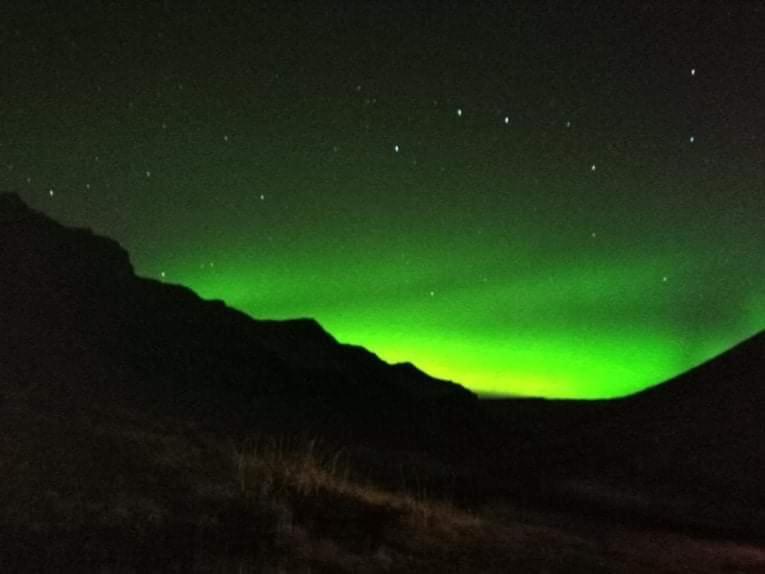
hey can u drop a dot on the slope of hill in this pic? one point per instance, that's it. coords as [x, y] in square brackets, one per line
[78, 322]
[690, 451]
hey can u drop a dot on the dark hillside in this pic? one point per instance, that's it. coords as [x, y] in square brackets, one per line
[690, 452]
[78, 322]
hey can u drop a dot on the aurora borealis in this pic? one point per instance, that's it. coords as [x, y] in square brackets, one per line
[562, 203]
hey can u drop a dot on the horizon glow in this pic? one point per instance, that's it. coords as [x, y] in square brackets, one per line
[557, 332]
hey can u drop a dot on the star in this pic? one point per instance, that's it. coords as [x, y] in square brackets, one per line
[148, 173]
[459, 112]
[51, 192]
[693, 71]
[593, 167]
[507, 120]
[691, 139]
[396, 148]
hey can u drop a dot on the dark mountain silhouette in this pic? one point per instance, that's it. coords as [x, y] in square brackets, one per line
[712, 412]
[78, 323]
[699, 437]
[689, 452]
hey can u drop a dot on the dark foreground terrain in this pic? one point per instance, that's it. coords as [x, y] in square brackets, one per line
[112, 490]
[143, 429]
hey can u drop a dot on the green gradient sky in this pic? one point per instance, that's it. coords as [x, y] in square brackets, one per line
[418, 178]
[556, 329]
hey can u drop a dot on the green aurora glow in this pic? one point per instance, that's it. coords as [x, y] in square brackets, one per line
[580, 329]
[421, 184]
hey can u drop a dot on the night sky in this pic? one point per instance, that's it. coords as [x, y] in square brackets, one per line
[535, 200]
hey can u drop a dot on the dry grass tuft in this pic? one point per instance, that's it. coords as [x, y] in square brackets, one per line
[320, 504]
